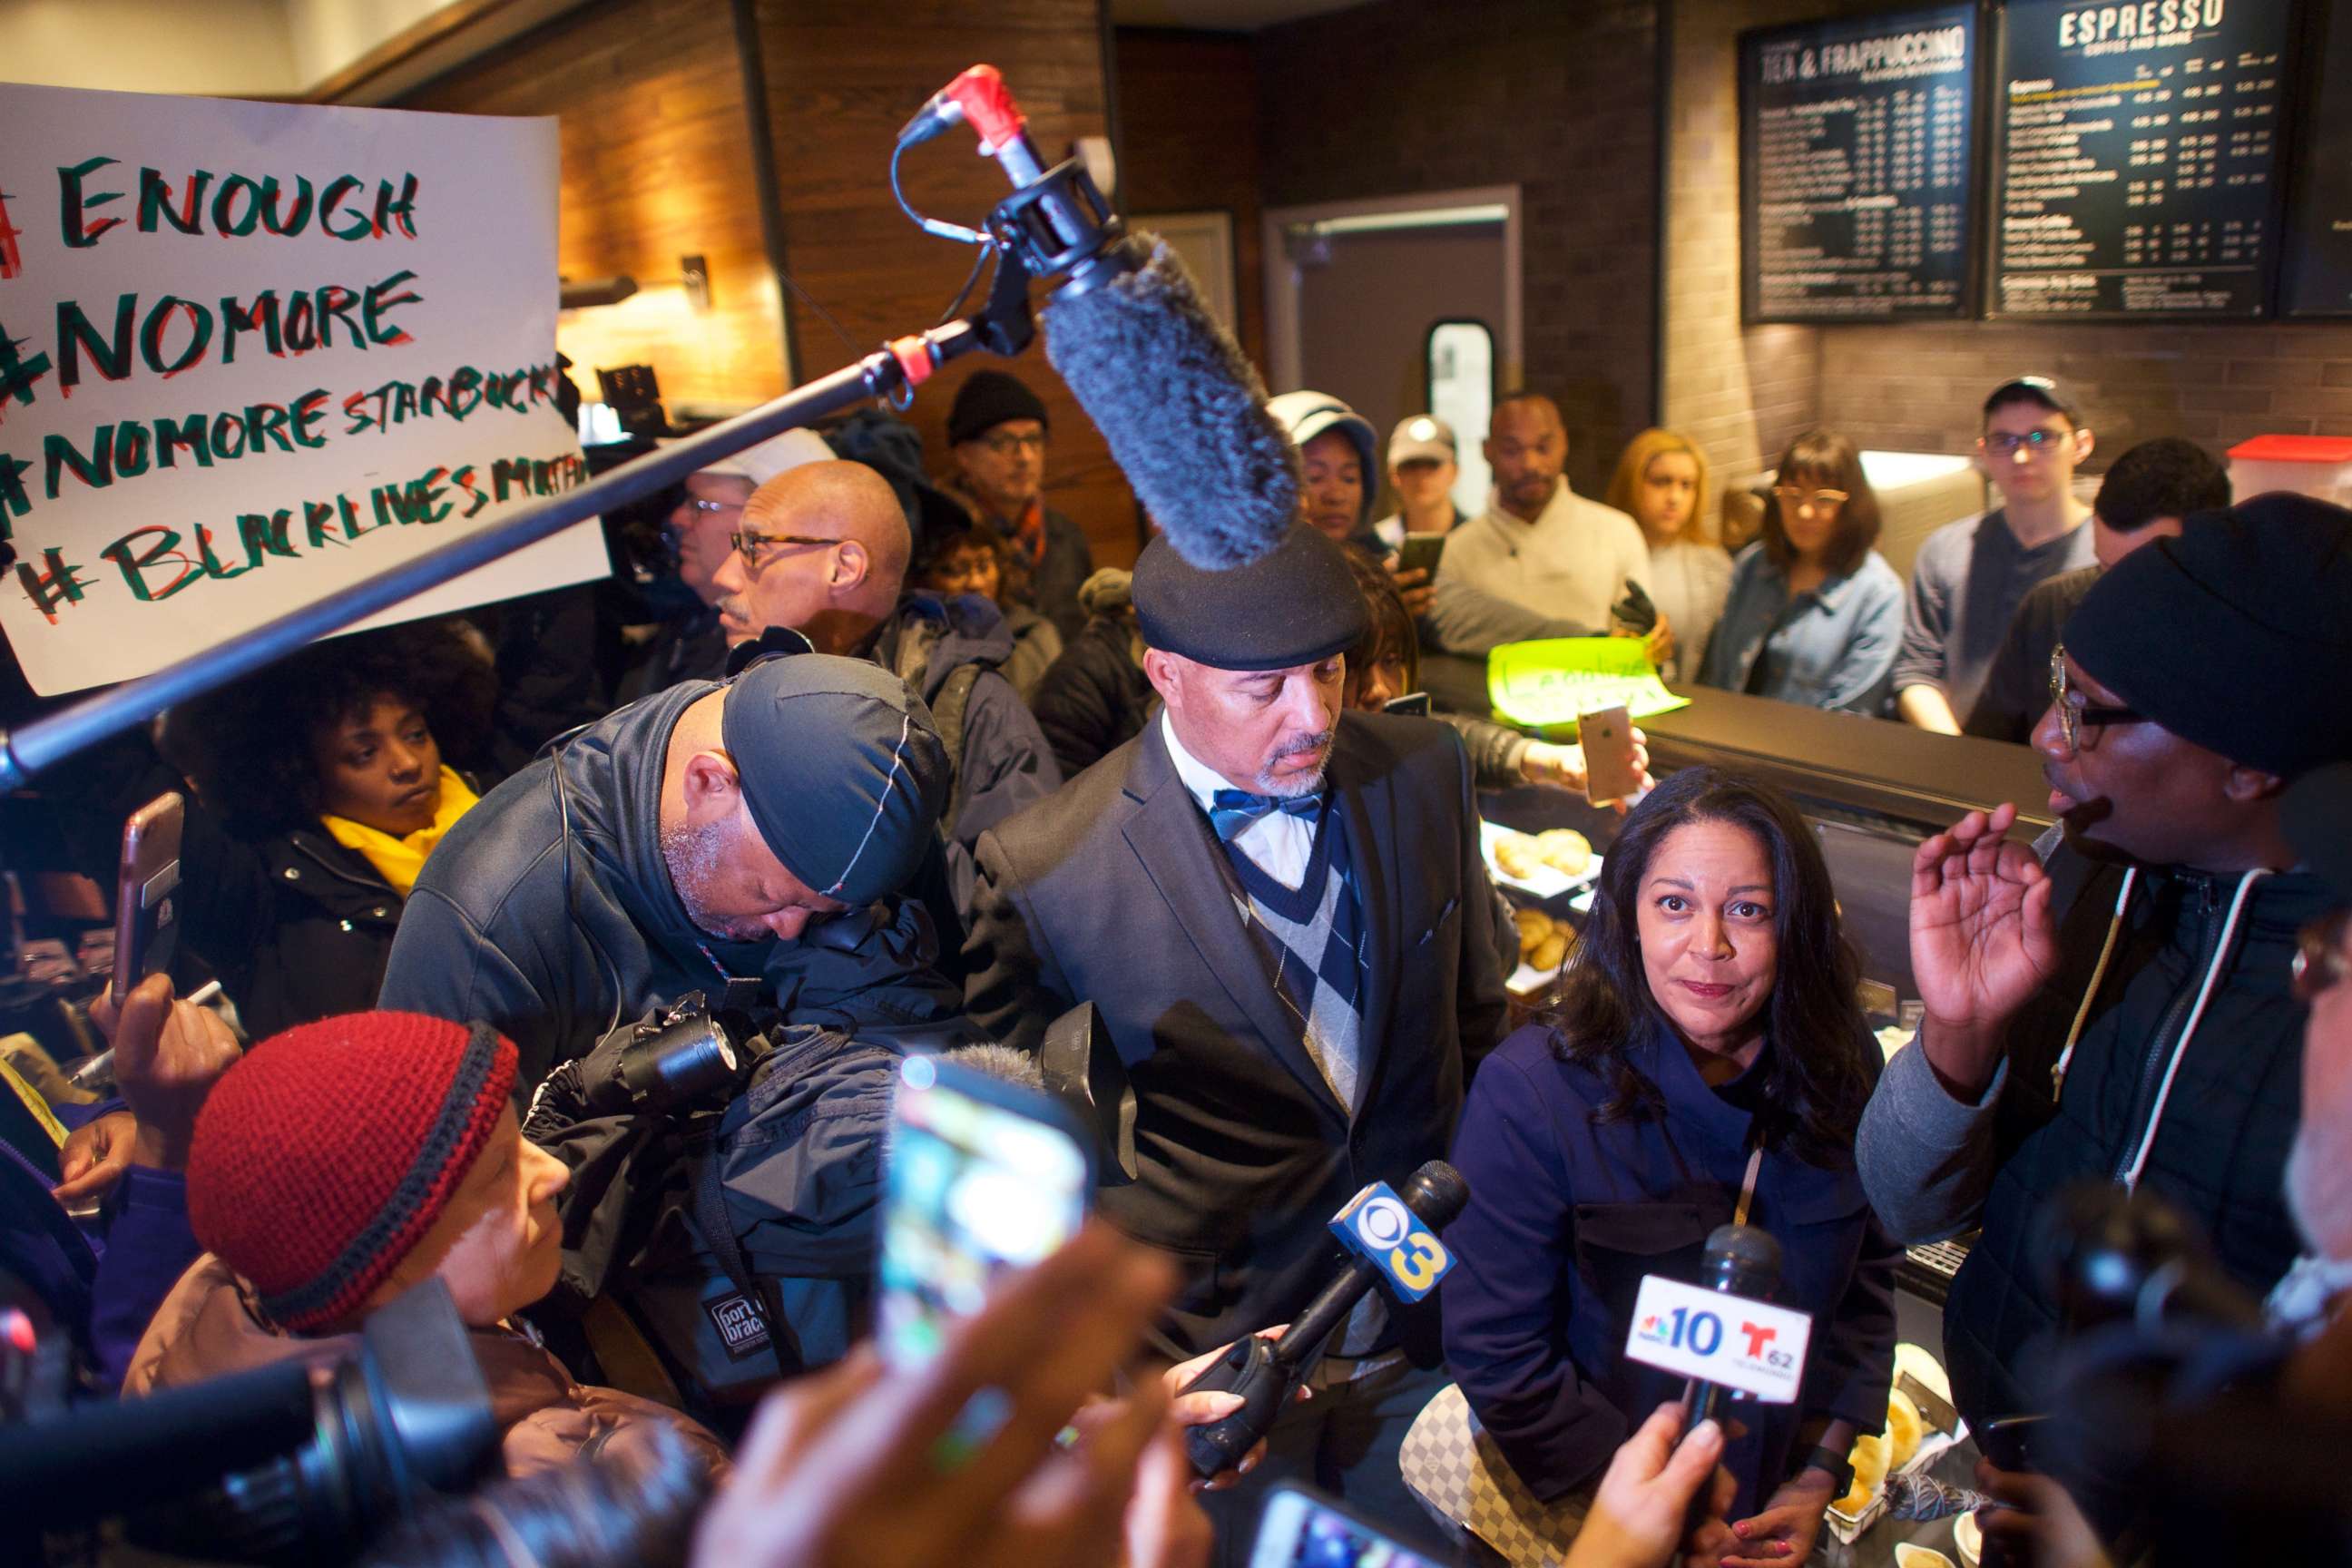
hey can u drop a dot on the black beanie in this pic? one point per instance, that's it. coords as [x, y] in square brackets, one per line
[2236, 635]
[987, 400]
[841, 769]
[1296, 603]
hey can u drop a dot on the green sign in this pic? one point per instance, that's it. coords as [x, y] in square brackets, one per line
[1546, 685]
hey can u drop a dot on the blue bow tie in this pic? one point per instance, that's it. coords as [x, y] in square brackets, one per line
[1232, 810]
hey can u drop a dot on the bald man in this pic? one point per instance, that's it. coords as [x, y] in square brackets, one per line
[1538, 545]
[823, 550]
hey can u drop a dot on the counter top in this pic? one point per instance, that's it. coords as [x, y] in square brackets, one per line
[1876, 767]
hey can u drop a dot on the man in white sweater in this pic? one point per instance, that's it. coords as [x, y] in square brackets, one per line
[1538, 545]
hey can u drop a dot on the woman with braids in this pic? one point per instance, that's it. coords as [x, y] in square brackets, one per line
[320, 789]
[1707, 1044]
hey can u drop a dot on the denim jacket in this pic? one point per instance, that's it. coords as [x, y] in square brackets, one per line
[1832, 647]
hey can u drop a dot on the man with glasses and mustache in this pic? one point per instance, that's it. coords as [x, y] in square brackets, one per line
[1970, 575]
[2118, 1006]
[1280, 910]
[701, 530]
[824, 551]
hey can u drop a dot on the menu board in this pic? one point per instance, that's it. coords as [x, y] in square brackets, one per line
[2319, 233]
[2138, 149]
[1854, 166]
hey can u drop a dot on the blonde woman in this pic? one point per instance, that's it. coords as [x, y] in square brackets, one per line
[1661, 483]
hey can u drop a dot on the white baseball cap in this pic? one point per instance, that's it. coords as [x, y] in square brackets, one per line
[1421, 437]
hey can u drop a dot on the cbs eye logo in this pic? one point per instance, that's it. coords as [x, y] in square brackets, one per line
[1390, 1231]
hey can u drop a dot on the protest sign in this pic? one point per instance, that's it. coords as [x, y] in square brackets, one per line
[254, 353]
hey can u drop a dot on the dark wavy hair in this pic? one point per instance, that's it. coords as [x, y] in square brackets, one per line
[1828, 460]
[1386, 624]
[248, 746]
[1820, 1064]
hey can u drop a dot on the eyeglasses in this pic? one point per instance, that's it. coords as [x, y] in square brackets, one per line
[2009, 444]
[2319, 961]
[708, 507]
[1005, 445]
[1797, 496]
[749, 544]
[2078, 717]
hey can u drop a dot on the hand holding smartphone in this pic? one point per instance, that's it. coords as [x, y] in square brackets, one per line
[1421, 552]
[1610, 772]
[984, 1176]
[148, 872]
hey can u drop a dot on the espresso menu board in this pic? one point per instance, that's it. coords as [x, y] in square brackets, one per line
[2139, 158]
[1854, 167]
[2319, 232]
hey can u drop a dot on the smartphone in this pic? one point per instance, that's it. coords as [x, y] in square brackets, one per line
[1414, 703]
[2008, 1440]
[142, 892]
[984, 1176]
[1607, 737]
[1303, 1528]
[1419, 552]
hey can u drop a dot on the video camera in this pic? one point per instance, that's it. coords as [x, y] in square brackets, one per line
[302, 1462]
[687, 1060]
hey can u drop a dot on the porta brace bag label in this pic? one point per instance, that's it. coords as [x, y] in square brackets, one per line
[742, 1327]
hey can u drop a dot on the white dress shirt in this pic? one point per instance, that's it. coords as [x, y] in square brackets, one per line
[1278, 844]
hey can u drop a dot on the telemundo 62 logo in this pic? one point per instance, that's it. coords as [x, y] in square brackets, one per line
[1379, 1226]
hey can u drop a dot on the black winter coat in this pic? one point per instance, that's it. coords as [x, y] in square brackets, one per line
[549, 914]
[2220, 1151]
[1094, 698]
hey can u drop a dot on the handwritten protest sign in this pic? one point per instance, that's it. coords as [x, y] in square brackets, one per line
[251, 354]
[1546, 685]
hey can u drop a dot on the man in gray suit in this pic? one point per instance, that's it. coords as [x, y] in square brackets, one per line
[1280, 910]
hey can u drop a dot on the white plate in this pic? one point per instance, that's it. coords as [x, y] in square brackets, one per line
[1544, 882]
[1969, 1538]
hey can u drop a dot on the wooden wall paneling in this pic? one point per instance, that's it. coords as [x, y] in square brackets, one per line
[842, 79]
[1188, 142]
[656, 164]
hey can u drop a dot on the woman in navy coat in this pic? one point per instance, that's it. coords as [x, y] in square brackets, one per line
[1710, 1011]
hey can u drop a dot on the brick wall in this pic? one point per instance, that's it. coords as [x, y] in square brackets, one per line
[1742, 392]
[1400, 96]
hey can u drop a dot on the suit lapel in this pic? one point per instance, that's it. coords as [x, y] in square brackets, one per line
[1370, 808]
[1174, 843]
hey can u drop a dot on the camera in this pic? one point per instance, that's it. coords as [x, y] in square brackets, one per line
[685, 1060]
[300, 1462]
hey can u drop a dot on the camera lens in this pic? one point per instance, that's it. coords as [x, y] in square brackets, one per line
[690, 1060]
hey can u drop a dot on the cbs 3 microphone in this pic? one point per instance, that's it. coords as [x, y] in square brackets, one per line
[1390, 1238]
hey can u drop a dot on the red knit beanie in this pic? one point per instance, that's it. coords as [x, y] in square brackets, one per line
[323, 1157]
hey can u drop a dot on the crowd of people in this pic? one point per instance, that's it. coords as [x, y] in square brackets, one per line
[898, 772]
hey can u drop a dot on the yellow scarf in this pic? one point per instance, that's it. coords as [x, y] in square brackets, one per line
[398, 860]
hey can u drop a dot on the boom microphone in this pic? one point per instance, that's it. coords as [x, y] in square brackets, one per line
[1182, 409]
[1177, 402]
[1266, 1373]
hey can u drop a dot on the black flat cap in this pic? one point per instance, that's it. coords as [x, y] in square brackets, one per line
[1296, 603]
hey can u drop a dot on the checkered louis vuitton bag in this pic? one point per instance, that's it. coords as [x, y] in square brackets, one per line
[1458, 1472]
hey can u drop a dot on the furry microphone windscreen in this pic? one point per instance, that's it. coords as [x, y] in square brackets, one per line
[1182, 411]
